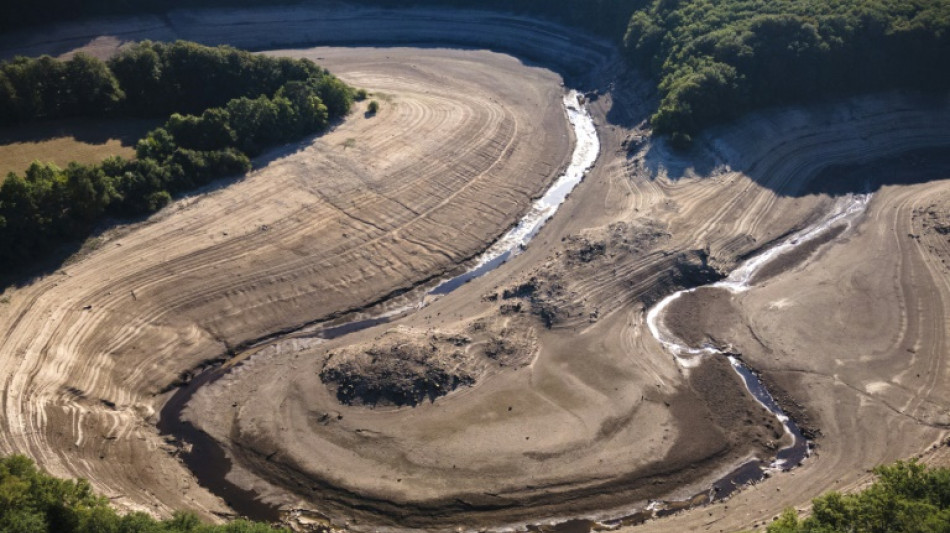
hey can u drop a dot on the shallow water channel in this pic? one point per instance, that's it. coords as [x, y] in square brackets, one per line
[208, 462]
[843, 213]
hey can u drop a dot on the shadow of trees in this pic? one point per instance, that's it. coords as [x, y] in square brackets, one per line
[864, 174]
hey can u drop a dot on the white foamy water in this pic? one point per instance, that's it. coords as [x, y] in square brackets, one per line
[846, 209]
[586, 149]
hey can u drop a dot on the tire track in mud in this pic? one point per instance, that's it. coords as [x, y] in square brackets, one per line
[151, 291]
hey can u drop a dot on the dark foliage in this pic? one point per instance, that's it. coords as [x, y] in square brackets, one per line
[716, 60]
[34, 502]
[260, 101]
[42, 88]
[185, 77]
[153, 79]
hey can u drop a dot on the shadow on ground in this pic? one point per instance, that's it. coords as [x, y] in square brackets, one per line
[88, 131]
[913, 166]
[66, 252]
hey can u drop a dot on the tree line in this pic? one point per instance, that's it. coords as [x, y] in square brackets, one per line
[147, 79]
[710, 60]
[32, 501]
[714, 60]
[242, 104]
[906, 497]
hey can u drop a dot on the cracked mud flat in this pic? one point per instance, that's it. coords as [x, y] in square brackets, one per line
[852, 336]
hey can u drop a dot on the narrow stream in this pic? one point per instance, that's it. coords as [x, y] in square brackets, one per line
[207, 460]
[845, 210]
[509, 245]
[586, 149]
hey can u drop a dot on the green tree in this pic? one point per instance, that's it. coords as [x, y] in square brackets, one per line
[90, 192]
[210, 131]
[312, 114]
[138, 69]
[335, 94]
[157, 144]
[91, 88]
[907, 497]
[34, 502]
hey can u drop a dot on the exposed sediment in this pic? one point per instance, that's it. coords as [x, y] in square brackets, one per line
[462, 143]
[592, 415]
[460, 459]
[406, 367]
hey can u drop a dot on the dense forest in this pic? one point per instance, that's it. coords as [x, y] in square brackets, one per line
[713, 60]
[907, 497]
[710, 60]
[225, 105]
[32, 501]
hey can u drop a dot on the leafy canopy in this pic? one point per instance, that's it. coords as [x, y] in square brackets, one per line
[34, 502]
[714, 60]
[906, 498]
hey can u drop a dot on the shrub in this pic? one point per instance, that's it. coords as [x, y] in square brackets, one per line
[261, 101]
[906, 498]
[35, 502]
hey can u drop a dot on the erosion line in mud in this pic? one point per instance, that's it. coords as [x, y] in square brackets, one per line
[207, 459]
[845, 211]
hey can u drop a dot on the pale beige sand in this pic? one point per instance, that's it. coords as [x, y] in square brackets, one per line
[467, 138]
[431, 466]
[463, 141]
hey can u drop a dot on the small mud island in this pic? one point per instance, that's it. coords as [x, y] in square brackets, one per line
[412, 322]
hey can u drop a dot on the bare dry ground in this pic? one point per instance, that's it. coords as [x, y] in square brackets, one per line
[463, 140]
[589, 413]
[852, 335]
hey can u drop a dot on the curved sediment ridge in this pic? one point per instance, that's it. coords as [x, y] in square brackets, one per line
[206, 459]
[587, 414]
[323, 228]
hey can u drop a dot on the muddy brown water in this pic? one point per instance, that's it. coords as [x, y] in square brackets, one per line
[206, 459]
